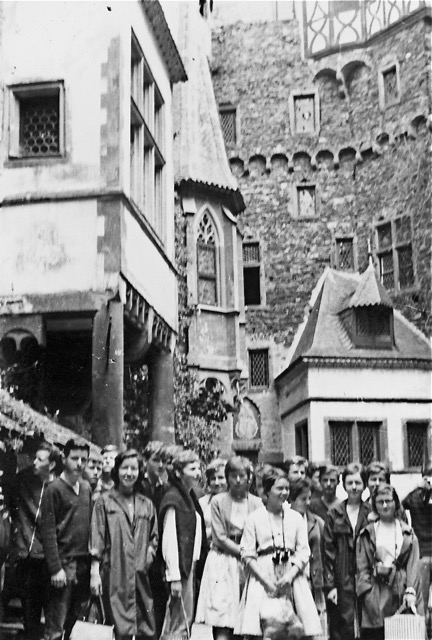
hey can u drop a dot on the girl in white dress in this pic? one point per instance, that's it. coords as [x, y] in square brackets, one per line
[223, 578]
[275, 549]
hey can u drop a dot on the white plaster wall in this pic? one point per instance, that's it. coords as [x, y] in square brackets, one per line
[147, 271]
[69, 41]
[52, 41]
[47, 248]
[394, 413]
[370, 383]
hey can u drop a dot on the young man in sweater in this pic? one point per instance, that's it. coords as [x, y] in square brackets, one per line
[65, 524]
[25, 507]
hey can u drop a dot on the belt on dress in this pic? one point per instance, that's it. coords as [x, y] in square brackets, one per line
[271, 550]
[236, 537]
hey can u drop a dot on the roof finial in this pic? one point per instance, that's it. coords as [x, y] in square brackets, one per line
[370, 256]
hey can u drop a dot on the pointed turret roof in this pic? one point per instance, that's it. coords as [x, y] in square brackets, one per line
[370, 291]
[199, 148]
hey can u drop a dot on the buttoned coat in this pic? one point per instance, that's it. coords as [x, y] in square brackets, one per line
[125, 549]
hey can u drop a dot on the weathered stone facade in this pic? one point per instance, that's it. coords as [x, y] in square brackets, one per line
[367, 161]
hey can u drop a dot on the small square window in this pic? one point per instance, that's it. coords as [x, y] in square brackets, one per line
[228, 120]
[306, 202]
[304, 114]
[259, 368]
[36, 121]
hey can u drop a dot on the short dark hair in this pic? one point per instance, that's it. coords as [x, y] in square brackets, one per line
[120, 458]
[299, 460]
[378, 467]
[53, 451]
[269, 477]
[426, 470]
[298, 486]
[238, 463]
[351, 469]
[73, 444]
[385, 489]
[155, 448]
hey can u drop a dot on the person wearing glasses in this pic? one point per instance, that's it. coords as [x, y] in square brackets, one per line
[388, 573]
[275, 550]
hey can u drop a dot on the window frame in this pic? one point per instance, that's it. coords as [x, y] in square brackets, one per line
[301, 435]
[295, 95]
[18, 93]
[336, 258]
[147, 118]
[230, 108]
[254, 264]
[382, 436]
[383, 103]
[264, 350]
[427, 424]
[217, 252]
[394, 249]
[296, 208]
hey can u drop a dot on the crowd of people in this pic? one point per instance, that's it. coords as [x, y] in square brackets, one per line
[266, 553]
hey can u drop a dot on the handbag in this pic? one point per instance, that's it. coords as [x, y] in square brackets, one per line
[404, 626]
[85, 630]
[167, 633]
[278, 620]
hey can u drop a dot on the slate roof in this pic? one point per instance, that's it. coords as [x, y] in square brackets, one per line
[370, 291]
[324, 336]
[165, 40]
[199, 149]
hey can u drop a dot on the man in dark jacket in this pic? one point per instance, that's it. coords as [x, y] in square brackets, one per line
[419, 504]
[65, 526]
[25, 506]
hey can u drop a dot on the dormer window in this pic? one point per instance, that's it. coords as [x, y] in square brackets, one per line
[373, 327]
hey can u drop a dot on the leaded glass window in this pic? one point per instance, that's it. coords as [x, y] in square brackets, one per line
[259, 368]
[395, 257]
[352, 440]
[341, 446]
[228, 124]
[368, 435]
[39, 126]
[417, 443]
[345, 254]
[207, 262]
